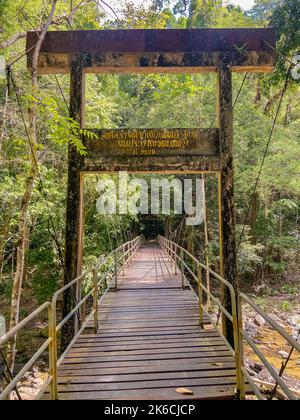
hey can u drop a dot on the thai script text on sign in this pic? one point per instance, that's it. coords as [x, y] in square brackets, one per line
[153, 142]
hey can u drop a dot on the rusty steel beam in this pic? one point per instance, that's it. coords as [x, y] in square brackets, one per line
[153, 40]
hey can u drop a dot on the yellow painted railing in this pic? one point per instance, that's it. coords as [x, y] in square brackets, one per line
[178, 256]
[47, 345]
[244, 299]
[117, 261]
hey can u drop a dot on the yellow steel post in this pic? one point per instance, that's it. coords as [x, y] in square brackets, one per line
[220, 222]
[200, 296]
[175, 259]
[208, 302]
[53, 352]
[95, 301]
[182, 268]
[240, 382]
[116, 269]
[128, 254]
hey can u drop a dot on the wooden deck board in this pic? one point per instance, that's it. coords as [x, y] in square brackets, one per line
[149, 342]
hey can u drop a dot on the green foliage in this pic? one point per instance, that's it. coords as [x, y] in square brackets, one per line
[262, 303]
[291, 290]
[45, 281]
[286, 306]
[60, 129]
[284, 17]
[212, 13]
[249, 255]
[134, 16]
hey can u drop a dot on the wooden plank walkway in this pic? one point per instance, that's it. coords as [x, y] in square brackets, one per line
[149, 342]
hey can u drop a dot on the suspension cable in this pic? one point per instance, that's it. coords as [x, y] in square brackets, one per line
[279, 53]
[62, 92]
[240, 90]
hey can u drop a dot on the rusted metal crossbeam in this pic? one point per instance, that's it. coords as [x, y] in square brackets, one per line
[156, 50]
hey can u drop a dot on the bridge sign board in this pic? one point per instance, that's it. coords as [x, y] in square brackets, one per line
[152, 142]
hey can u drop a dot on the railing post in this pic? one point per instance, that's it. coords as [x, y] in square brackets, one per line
[124, 261]
[53, 351]
[175, 259]
[77, 320]
[182, 268]
[116, 269]
[129, 254]
[95, 301]
[173, 254]
[200, 296]
[208, 303]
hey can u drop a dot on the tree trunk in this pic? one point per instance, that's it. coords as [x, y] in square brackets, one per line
[167, 227]
[26, 251]
[73, 240]
[17, 282]
[288, 111]
[225, 122]
[257, 98]
[272, 100]
[3, 239]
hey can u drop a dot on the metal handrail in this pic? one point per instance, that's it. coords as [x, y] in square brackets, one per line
[244, 336]
[236, 318]
[124, 258]
[127, 252]
[176, 257]
[48, 344]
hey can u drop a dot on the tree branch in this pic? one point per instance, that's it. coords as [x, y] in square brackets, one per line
[108, 6]
[58, 21]
[42, 37]
[12, 40]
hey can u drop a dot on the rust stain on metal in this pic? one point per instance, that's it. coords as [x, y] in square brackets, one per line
[153, 40]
